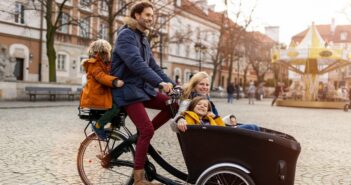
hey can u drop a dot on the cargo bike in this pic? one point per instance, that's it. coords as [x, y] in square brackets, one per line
[212, 155]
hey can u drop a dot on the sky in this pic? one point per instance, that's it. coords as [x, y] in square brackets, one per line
[292, 16]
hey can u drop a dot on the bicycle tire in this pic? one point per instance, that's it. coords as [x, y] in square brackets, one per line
[226, 176]
[93, 171]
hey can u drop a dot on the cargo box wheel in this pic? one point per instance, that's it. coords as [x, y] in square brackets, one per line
[225, 176]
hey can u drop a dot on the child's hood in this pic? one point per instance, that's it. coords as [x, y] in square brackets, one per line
[84, 62]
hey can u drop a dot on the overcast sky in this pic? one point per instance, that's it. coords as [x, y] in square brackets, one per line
[292, 16]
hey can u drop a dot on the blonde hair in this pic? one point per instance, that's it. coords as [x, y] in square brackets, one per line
[100, 47]
[189, 87]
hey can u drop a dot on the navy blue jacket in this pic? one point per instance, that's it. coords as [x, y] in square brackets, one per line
[141, 74]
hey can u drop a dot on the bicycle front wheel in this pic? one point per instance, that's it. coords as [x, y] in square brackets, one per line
[92, 170]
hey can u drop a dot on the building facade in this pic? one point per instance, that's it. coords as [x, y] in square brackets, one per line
[188, 39]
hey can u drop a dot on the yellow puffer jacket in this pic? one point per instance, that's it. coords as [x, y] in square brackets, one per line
[193, 119]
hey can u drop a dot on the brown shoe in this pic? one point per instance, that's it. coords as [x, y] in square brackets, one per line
[139, 178]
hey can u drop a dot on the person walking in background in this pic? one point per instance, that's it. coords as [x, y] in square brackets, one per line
[279, 90]
[251, 92]
[134, 63]
[237, 90]
[230, 92]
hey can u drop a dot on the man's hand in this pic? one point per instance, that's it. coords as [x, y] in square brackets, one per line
[166, 87]
[181, 124]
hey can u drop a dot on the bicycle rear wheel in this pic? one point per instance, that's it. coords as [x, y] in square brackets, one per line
[92, 170]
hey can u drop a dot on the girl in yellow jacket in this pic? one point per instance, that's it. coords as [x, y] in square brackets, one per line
[198, 113]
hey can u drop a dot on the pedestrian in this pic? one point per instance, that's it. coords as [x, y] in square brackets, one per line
[134, 63]
[230, 92]
[251, 92]
[237, 90]
[260, 91]
[279, 90]
[96, 93]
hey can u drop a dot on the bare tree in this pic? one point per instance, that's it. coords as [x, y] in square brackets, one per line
[53, 13]
[236, 33]
[259, 47]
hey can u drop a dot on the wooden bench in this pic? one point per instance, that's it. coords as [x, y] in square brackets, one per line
[52, 92]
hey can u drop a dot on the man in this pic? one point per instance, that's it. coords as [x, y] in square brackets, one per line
[230, 92]
[133, 62]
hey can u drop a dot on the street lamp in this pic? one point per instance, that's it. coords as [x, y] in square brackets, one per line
[199, 48]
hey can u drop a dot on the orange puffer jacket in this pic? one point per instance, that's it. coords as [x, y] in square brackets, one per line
[96, 93]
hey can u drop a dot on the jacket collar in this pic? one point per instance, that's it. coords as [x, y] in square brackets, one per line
[132, 24]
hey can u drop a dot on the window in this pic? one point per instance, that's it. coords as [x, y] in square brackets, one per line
[61, 62]
[84, 30]
[103, 31]
[122, 8]
[343, 35]
[198, 34]
[19, 13]
[63, 22]
[178, 49]
[81, 70]
[85, 3]
[187, 50]
[103, 6]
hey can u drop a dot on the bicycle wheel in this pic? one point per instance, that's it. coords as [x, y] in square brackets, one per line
[225, 176]
[92, 170]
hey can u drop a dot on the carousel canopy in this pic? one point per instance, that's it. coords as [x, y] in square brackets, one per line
[312, 51]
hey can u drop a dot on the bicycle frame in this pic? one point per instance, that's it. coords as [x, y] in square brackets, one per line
[150, 169]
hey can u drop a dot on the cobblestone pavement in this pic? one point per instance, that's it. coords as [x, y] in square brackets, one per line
[39, 141]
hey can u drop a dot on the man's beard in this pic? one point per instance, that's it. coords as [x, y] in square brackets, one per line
[145, 24]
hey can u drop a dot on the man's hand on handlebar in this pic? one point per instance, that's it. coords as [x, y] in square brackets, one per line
[166, 87]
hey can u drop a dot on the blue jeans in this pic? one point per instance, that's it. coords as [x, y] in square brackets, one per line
[230, 98]
[249, 127]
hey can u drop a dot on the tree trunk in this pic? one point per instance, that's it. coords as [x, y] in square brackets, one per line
[50, 41]
[51, 54]
[230, 70]
[111, 21]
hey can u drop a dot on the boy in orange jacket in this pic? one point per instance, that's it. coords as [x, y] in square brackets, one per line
[96, 93]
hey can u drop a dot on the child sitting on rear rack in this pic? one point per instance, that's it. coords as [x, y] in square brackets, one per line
[96, 93]
[198, 113]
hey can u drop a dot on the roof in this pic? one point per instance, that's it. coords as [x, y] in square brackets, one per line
[327, 34]
[191, 8]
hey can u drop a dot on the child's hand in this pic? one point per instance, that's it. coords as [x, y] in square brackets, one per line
[181, 124]
[118, 83]
[211, 114]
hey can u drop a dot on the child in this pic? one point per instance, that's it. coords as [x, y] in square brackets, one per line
[231, 121]
[198, 113]
[96, 93]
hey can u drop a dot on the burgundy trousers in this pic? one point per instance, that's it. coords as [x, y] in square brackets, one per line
[146, 128]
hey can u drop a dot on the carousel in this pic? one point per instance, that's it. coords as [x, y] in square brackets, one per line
[311, 60]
